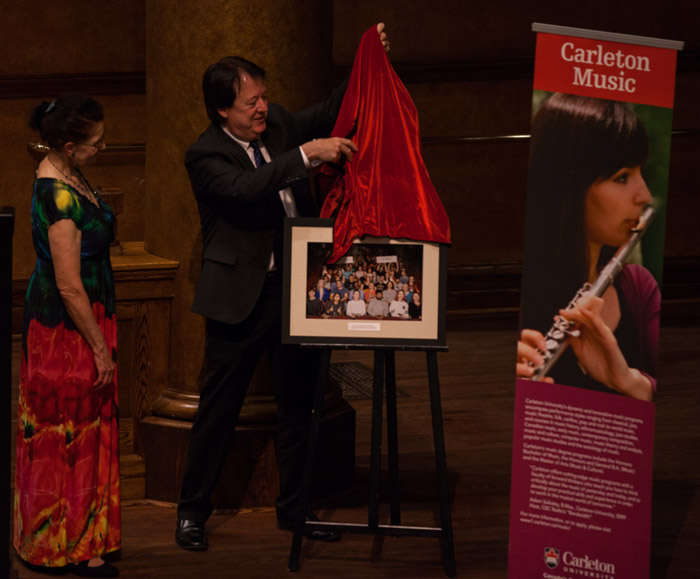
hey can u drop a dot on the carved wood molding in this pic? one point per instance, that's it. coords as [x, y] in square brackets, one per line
[464, 140]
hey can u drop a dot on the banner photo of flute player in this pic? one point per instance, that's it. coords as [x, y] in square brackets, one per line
[590, 304]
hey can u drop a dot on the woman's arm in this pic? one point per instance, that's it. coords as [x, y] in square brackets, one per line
[64, 242]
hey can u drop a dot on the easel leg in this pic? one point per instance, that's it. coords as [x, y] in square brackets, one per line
[376, 450]
[441, 467]
[307, 477]
[392, 439]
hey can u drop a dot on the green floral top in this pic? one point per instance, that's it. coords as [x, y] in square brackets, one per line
[55, 200]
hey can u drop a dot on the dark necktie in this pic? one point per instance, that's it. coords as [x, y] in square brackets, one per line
[257, 154]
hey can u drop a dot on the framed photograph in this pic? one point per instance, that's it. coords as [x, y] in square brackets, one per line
[381, 292]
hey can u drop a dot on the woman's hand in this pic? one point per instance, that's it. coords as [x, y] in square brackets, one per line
[529, 359]
[599, 354]
[105, 368]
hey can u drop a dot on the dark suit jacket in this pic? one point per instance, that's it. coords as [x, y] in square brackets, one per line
[239, 207]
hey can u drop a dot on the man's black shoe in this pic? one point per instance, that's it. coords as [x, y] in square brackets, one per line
[287, 524]
[191, 535]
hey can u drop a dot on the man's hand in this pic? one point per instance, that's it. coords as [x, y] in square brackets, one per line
[382, 36]
[329, 150]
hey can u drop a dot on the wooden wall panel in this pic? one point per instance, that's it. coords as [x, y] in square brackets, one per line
[482, 186]
[454, 30]
[72, 36]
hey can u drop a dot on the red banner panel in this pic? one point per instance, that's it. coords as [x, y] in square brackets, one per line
[590, 306]
[608, 70]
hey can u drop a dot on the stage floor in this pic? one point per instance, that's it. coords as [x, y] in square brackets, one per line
[477, 383]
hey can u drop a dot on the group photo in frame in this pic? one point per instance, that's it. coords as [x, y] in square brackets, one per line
[409, 276]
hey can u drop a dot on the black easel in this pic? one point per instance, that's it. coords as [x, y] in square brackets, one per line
[384, 374]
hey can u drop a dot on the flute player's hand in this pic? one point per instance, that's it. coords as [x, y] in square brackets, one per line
[528, 357]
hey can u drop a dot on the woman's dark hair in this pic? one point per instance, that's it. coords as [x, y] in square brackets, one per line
[222, 81]
[576, 141]
[67, 119]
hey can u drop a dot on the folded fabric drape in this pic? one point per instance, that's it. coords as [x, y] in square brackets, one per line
[385, 191]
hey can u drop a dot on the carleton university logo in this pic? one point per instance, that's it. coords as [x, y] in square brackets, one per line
[551, 557]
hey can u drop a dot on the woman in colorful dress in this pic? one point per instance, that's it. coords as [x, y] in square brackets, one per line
[67, 462]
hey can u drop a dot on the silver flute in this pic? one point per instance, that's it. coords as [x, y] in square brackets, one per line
[558, 335]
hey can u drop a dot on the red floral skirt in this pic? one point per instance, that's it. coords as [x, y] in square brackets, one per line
[67, 463]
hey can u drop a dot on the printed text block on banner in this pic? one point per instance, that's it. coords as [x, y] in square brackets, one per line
[582, 503]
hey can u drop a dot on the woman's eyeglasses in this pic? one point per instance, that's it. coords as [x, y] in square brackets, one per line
[98, 145]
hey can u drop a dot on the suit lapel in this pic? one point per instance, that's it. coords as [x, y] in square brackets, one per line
[233, 148]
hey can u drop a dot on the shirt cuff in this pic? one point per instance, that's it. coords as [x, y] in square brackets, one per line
[309, 164]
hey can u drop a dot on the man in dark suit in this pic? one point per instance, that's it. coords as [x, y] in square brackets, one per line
[248, 171]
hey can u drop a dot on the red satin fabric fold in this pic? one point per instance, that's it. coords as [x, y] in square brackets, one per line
[385, 191]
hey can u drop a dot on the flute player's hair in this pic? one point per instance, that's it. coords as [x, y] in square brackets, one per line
[575, 142]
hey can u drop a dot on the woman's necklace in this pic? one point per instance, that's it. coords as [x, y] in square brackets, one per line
[78, 182]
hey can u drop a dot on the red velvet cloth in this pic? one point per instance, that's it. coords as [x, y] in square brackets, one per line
[385, 191]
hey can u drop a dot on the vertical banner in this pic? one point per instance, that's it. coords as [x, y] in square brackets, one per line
[587, 350]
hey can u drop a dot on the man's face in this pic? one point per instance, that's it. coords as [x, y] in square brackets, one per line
[246, 117]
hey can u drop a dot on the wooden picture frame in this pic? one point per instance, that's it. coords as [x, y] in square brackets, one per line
[309, 241]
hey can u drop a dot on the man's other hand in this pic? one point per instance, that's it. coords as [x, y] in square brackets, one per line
[329, 150]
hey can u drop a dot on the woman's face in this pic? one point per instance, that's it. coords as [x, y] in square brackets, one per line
[613, 206]
[85, 151]
[400, 296]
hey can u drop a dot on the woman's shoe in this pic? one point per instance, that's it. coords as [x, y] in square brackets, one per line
[83, 569]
